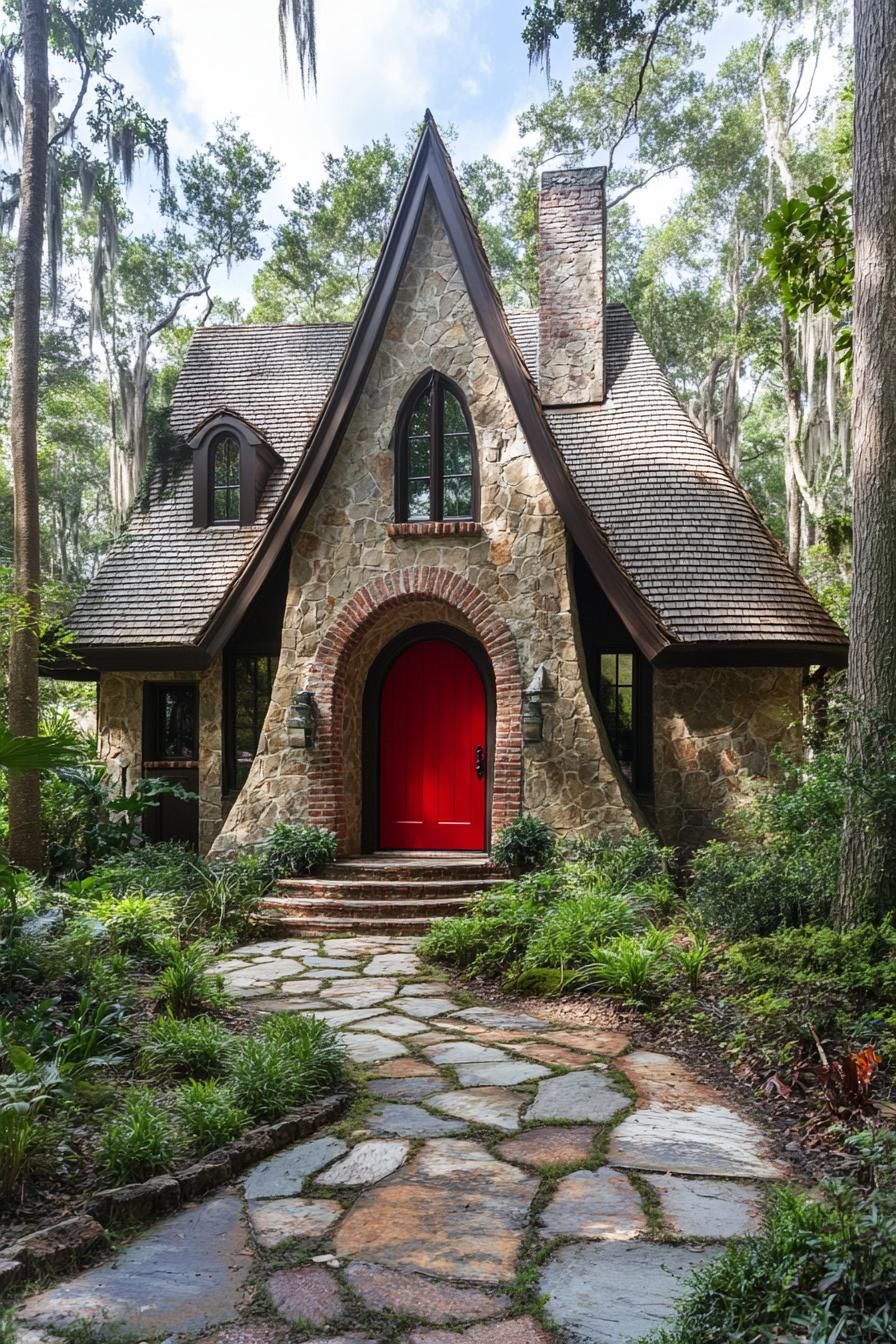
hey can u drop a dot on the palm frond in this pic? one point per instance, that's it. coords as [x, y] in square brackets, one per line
[38, 753]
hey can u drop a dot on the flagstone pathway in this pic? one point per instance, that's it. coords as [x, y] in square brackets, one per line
[501, 1180]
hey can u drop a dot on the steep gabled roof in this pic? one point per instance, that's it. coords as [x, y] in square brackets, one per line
[670, 536]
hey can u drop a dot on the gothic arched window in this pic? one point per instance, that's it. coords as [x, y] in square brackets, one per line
[437, 477]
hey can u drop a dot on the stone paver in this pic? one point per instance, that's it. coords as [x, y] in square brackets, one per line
[413, 1295]
[494, 1106]
[411, 1122]
[186, 1273]
[708, 1209]
[417, 1205]
[550, 1146]
[499, 1018]
[276, 1220]
[614, 1292]
[285, 1173]
[585, 1096]
[366, 1048]
[504, 1074]
[406, 1089]
[597, 1205]
[311, 1294]
[366, 1163]
[423, 1007]
[454, 1211]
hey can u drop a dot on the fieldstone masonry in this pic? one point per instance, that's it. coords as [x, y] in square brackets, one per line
[715, 729]
[353, 586]
[120, 720]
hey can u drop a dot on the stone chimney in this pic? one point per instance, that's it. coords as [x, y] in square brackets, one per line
[572, 227]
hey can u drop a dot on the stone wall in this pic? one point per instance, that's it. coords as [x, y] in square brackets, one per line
[121, 735]
[714, 730]
[353, 586]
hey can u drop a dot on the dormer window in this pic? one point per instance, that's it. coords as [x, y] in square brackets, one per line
[231, 466]
[437, 479]
[225, 479]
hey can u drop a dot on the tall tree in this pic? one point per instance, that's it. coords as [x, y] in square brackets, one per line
[868, 867]
[24, 791]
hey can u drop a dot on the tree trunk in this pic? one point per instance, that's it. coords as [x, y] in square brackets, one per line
[24, 789]
[868, 868]
[791, 447]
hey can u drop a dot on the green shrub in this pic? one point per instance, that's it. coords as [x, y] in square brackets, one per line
[134, 923]
[138, 1142]
[208, 1115]
[572, 927]
[222, 905]
[622, 863]
[23, 1097]
[196, 1048]
[779, 866]
[295, 1060]
[526, 844]
[184, 986]
[293, 851]
[843, 984]
[316, 1050]
[693, 958]
[821, 1270]
[493, 936]
[163, 869]
[626, 966]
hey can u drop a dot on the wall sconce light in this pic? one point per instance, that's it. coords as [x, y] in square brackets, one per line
[302, 720]
[533, 709]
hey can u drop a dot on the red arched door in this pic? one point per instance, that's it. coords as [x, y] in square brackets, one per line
[433, 759]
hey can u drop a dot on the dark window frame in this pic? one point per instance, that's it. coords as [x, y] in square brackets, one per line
[641, 685]
[256, 458]
[231, 786]
[232, 488]
[152, 753]
[437, 384]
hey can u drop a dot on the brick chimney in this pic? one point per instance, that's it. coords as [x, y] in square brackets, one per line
[572, 227]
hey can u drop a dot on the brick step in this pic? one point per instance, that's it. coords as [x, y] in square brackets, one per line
[323, 924]
[359, 870]
[302, 887]
[338, 905]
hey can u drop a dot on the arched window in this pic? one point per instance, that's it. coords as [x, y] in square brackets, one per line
[436, 468]
[225, 480]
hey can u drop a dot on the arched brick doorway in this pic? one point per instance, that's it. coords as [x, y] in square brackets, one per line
[358, 633]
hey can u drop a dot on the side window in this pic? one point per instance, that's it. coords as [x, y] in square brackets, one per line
[251, 684]
[625, 700]
[225, 480]
[436, 467]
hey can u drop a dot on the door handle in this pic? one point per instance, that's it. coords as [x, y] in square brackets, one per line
[480, 762]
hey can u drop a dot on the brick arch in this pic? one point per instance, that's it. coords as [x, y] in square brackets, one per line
[328, 675]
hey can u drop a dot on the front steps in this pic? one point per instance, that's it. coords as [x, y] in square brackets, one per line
[380, 893]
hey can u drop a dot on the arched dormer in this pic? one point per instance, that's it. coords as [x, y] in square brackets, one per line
[436, 463]
[231, 465]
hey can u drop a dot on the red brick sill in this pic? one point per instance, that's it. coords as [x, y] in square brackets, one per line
[434, 529]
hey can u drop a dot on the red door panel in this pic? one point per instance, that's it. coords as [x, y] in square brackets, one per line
[432, 719]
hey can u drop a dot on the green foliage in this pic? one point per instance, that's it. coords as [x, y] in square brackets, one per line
[208, 1116]
[184, 986]
[600, 29]
[780, 865]
[811, 256]
[293, 1061]
[625, 965]
[221, 906]
[293, 851]
[570, 929]
[492, 936]
[164, 869]
[196, 1048]
[693, 958]
[525, 844]
[23, 1098]
[821, 1270]
[138, 1141]
[843, 985]
[134, 923]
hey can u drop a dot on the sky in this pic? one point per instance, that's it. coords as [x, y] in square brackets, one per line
[381, 63]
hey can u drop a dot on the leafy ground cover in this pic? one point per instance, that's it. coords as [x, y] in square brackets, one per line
[120, 1054]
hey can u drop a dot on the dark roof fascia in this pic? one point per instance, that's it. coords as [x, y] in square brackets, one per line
[754, 653]
[86, 661]
[430, 170]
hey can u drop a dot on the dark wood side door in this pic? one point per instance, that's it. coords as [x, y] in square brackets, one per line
[432, 750]
[171, 752]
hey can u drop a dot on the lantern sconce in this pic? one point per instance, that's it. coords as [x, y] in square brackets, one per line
[533, 707]
[302, 721]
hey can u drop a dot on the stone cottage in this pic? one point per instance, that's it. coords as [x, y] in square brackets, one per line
[447, 564]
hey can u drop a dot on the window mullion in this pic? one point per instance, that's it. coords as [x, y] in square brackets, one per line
[435, 458]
